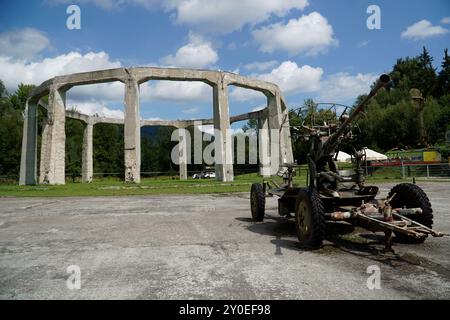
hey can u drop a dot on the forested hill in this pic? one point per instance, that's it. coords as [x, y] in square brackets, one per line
[391, 119]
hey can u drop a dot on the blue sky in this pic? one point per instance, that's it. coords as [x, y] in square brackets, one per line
[310, 48]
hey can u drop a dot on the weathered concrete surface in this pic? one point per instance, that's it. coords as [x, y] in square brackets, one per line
[52, 170]
[87, 159]
[43, 177]
[55, 157]
[184, 149]
[28, 161]
[285, 134]
[157, 247]
[222, 134]
[264, 145]
[132, 132]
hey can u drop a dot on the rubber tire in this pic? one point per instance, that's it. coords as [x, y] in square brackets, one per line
[412, 196]
[283, 210]
[317, 218]
[257, 202]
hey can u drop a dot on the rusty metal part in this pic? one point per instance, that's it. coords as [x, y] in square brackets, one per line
[330, 192]
[338, 215]
[388, 217]
[402, 225]
[368, 209]
[415, 226]
[408, 211]
[388, 241]
[387, 213]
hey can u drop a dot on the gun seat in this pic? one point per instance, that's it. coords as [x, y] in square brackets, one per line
[349, 179]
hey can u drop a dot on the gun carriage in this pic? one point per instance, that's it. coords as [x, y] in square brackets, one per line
[333, 194]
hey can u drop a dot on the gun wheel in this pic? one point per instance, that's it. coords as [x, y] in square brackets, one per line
[409, 195]
[257, 202]
[309, 218]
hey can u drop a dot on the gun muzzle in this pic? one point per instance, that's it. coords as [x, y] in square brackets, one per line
[383, 81]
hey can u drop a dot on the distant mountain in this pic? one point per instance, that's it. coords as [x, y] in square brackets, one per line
[149, 132]
[152, 131]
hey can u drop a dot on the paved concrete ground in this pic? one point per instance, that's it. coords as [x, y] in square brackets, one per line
[176, 247]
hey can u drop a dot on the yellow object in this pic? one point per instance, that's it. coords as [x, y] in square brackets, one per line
[431, 156]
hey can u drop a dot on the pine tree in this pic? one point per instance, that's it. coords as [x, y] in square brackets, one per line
[427, 82]
[444, 75]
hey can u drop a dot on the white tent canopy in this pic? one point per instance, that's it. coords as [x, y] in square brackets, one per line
[372, 155]
[343, 157]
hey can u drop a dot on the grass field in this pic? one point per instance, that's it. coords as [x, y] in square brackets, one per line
[115, 187]
[161, 185]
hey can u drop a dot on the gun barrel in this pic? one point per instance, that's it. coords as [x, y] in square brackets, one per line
[330, 143]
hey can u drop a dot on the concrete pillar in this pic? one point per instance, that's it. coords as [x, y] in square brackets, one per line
[28, 161]
[286, 134]
[183, 153]
[87, 165]
[54, 139]
[223, 143]
[279, 131]
[132, 132]
[43, 178]
[264, 145]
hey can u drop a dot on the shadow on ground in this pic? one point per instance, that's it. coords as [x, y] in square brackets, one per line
[340, 237]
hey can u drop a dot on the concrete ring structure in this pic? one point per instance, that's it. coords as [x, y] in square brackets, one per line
[52, 164]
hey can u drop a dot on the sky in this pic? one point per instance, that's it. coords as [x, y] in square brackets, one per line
[311, 48]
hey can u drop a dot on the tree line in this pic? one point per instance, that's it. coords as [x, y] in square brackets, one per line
[390, 121]
[392, 118]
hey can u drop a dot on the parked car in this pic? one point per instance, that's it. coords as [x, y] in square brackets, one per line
[204, 175]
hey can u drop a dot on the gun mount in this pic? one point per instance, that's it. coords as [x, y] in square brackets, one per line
[324, 147]
[340, 195]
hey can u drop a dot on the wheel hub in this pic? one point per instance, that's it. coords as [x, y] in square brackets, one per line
[304, 220]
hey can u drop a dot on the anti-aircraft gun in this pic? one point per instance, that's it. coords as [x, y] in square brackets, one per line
[323, 171]
[341, 195]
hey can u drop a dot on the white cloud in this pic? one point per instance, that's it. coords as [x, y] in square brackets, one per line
[106, 92]
[218, 16]
[289, 77]
[206, 128]
[176, 91]
[89, 99]
[93, 107]
[259, 108]
[15, 72]
[345, 87]
[363, 44]
[209, 129]
[445, 20]
[261, 66]
[208, 16]
[112, 4]
[198, 53]
[242, 94]
[192, 110]
[23, 44]
[293, 79]
[310, 34]
[422, 30]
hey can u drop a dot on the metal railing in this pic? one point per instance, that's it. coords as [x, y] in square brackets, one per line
[405, 171]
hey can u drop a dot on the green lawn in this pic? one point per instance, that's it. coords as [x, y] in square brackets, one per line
[161, 185]
[115, 187]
